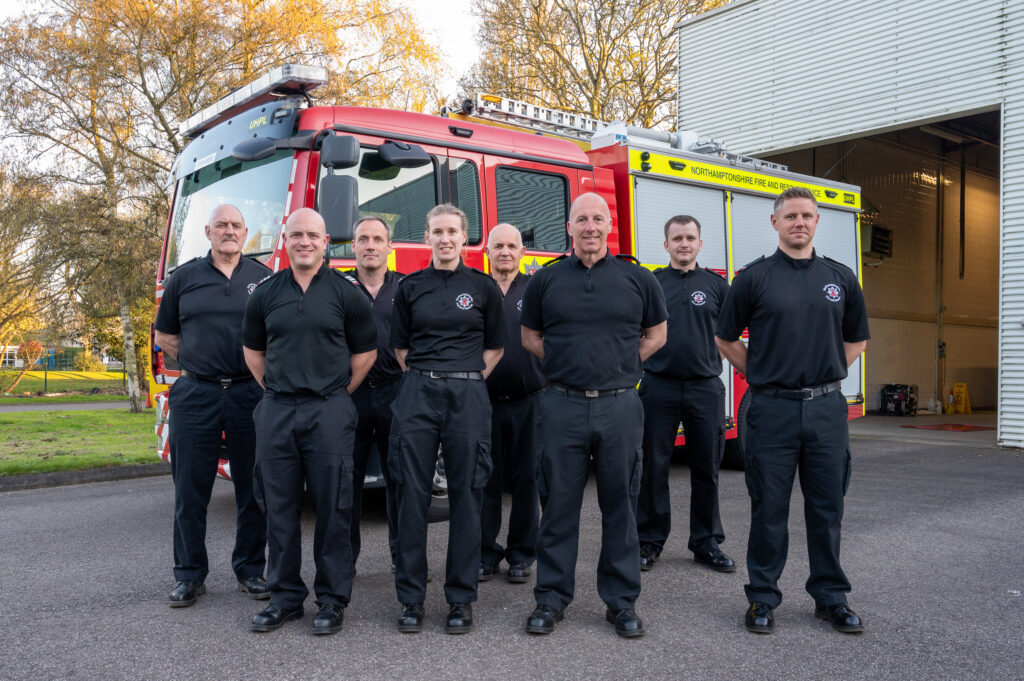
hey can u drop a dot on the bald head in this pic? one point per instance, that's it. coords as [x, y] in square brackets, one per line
[505, 250]
[590, 200]
[590, 221]
[226, 231]
[306, 217]
[305, 239]
[226, 211]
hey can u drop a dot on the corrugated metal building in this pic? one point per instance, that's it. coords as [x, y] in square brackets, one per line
[921, 103]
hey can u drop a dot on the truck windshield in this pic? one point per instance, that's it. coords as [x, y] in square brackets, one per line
[258, 189]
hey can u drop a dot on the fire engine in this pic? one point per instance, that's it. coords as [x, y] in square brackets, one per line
[268, 149]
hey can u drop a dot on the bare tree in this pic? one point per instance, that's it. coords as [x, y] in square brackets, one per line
[608, 59]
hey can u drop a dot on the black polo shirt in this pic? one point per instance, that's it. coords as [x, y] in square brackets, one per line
[518, 373]
[799, 314]
[693, 298]
[592, 320]
[204, 309]
[386, 367]
[309, 337]
[446, 318]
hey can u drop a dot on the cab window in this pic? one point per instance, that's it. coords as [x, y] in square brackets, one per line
[537, 203]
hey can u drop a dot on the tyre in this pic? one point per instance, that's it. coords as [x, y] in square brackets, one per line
[438, 510]
[734, 449]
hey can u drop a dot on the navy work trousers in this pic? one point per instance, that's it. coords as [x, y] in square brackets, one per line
[306, 442]
[786, 437]
[515, 427]
[373, 428]
[700, 405]
[578, 429]
[455, 414]
[204, 418]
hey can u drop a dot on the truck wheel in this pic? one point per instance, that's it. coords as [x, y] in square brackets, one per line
[438, 510]
[733, 457]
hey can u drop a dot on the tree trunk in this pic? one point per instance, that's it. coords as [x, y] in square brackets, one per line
[136, 402]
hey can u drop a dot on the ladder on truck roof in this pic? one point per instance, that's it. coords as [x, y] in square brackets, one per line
[532, 116]
[579, 128]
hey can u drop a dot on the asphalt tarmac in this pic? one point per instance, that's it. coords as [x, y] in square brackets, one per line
[932, 543]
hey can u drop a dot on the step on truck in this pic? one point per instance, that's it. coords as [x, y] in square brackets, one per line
[269, 149]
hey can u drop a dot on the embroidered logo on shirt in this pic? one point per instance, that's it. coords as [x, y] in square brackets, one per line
[698, 298]
[519, 304]
[833, 293]
[464, 301]
[251, 288]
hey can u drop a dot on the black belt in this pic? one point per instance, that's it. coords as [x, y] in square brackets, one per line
[222, 381]
[514, 398]
[798, 393]
[576, 392]
[381, 382]
[466, 375]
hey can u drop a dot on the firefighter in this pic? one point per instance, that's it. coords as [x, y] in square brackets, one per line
[681, 383]
[199, 322]
[448, 333]
[514, 388]
[807, 323]
[592, 319]
[309, 339]
[371, 245]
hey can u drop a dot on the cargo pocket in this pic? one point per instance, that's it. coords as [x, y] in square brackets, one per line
[484, 465]
[847, 471]
[257, 488]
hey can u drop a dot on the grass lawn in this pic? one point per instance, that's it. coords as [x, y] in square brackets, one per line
[46, 441]
[110, 383]
[63, 399]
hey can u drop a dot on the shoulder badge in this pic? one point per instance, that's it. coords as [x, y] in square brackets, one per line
[352, 280]
[750, 264]
[711, 271]
[836, 262]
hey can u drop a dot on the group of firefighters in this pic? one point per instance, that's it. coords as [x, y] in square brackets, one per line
[523, 383]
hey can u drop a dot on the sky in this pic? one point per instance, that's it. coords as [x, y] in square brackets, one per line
[455, 30]
[451, 22]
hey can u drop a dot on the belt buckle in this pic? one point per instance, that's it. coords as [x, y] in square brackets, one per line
[591, 393]
[433, 375]
[808, 394]
[224, 382]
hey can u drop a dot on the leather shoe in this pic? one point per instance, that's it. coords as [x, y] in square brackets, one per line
[759, 618]
[328, 620]
[486, 572]
[185, 593]
[518, 573]
[648, 557]
[627, 624]
[842, 617]
[460, 619]
[716, 560]
[255, 588]
[274, 617]
[542, 620]
[411, 619]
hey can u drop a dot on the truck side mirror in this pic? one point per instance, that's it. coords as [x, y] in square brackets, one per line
[338, 203]
[403, 155]
[339, 152]
[254, 149]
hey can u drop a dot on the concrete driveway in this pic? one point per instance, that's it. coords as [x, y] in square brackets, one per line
[932, 544]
